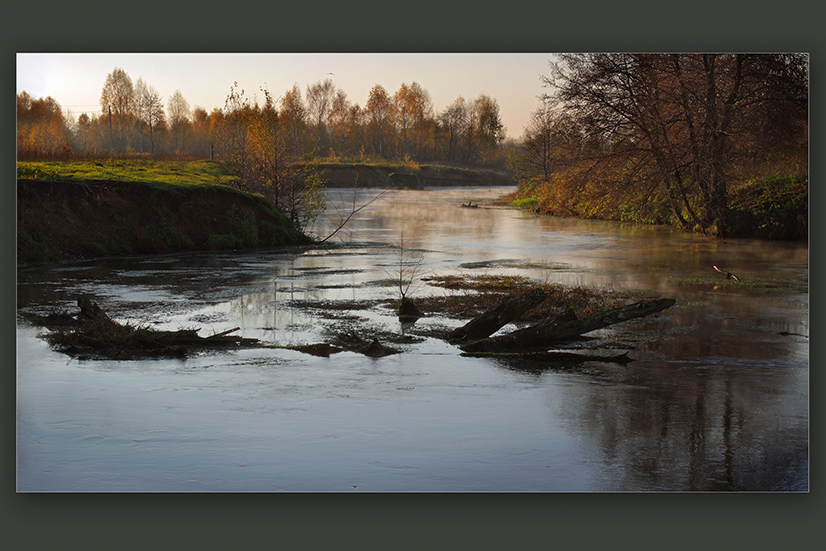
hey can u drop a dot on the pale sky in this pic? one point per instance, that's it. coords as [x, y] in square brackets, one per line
[75, 81]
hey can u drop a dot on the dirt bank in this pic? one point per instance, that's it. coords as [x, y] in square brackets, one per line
[97, 218]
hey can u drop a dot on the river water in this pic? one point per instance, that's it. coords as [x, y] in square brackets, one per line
[717, 397]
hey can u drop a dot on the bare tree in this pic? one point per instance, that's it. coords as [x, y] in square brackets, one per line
[149, 111]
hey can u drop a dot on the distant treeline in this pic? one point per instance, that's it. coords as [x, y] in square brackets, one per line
[316, 122]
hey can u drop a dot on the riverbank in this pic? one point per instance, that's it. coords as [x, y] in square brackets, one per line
[408, 176]
[767, 207]
[139, 206]
[58, 220]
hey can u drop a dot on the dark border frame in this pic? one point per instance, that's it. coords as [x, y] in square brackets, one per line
[402, 521]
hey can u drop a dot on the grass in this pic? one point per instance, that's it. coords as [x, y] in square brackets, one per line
[163, 174]
[528, 203]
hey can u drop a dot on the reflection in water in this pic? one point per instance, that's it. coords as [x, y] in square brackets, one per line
[716, 399]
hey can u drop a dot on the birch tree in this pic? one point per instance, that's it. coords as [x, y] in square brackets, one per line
[117, 99]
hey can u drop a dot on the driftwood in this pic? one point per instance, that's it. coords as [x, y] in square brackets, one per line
[94, 330]
[492, 321]
[542, 335]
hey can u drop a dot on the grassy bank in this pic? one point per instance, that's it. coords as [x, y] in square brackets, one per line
[89, 209]
[159, 174]
[762, 206]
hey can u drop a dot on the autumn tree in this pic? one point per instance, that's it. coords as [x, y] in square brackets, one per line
[117, 100]
[379, 114]
[41, 126]
[294, 118]
[678, 121]
[201, 132]
[488, 129]
[413, 109]
[338, 121]
[253, 144]
[231, 129]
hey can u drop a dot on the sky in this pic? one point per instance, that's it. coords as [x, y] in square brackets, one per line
[75, 80]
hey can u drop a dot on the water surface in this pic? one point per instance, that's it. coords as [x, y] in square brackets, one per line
[716, 399]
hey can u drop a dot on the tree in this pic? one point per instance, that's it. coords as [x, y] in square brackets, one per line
[679, 120]
[149, 110]
[379, 113]
[413, 108]
[83, 125]
[179, 124]
[453, 121]
[319, 100]
[201, 132]
[117, 100]
[489, 129]
[423, 120]
[338, 121]
[41, 127]
[294, 118]
[254, 146]
[549, 143]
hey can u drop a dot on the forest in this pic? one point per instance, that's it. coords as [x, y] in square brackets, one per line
[711, 143]
[316, 122]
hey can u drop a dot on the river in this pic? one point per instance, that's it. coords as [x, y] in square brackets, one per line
[716, 399]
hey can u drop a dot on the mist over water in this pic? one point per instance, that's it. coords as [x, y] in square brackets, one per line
[716, 399]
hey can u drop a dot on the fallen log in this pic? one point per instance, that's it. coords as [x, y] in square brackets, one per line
[493, 320]
[94, 330]
[542, 335]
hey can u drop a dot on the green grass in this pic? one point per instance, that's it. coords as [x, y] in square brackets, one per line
[528, 203]
[158, 173]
